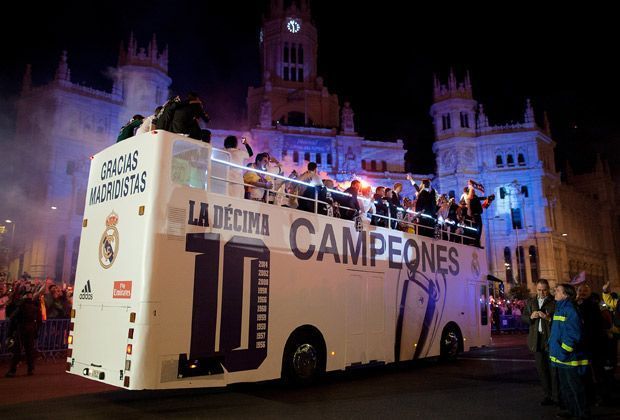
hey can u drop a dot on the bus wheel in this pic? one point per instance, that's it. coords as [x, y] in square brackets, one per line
[450, 343]
[303, 360]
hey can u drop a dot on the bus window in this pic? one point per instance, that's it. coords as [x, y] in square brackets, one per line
[484, 316]
[189, 164]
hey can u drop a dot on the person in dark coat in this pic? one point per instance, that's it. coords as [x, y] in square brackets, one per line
[426, 204]
[350, 201]
[538, 313]
[129, 129]
[186, 116]
[27, 317]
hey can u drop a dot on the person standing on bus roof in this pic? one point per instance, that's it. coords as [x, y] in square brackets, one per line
[259, 181]
[237, 156]
[128, 130]
[538, 313]
[186, 116]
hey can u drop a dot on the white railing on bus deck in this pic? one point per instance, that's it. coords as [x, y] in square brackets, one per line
[316, 202]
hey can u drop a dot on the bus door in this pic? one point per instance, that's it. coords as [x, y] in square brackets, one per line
[365, 319]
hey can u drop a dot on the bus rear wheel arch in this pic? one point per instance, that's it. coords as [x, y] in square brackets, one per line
[451, 342]
[305, 355]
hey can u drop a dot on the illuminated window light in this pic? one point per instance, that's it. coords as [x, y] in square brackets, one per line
[129, 348]
[70, 339]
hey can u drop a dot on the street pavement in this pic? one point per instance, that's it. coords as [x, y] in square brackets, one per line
[495, 382]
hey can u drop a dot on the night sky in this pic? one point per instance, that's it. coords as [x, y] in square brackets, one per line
[380, 59]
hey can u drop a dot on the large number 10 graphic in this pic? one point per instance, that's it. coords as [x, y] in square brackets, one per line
[234, 355]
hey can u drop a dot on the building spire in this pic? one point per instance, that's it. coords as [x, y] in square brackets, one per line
[546, 124]
[452, 81]
[27, 80]
[63, 73]
[528, 116]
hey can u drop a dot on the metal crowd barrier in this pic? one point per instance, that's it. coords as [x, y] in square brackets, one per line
[51, 342]
[511, 323]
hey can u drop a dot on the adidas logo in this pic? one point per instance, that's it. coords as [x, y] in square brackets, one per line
[87, 292]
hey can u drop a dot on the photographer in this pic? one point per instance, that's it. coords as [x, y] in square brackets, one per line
[476, 205]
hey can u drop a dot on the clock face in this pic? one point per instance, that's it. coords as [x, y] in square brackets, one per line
[293, 26]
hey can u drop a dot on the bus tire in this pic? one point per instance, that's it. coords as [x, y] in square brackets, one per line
[451, 343]
[303, 361]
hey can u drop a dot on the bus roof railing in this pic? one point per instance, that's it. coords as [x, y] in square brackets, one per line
[388, 219]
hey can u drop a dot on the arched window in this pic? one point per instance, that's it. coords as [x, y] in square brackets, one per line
[502, 193]
[533, 264]
[329, 158]
[300, 55]
[373, 165]
[318, 159]
[522, 276]
[499, 162]
[524, 191]
[510, 160]
[296, 156]
[445, 121]
[521, 159]
[464, 120]
[296, 118]
[363, 163]
[293, 54]
[307, 156]
[508, 265]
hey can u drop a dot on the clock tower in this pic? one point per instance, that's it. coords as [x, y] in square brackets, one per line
[291, 92]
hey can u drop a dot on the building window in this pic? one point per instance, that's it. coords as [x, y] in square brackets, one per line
[284, 154]
[301, 54]
[533, 264]
[293, 54]
[383, 166]
[286, 53]
[508, 265]
[307, 156]
[451, 194]
[445, 121]
[60, 258]
[515, 214]
[329, 158]
[502, 193]
[521, 259]
[318, 159]
[296, 156]
[364, 164]
[285, 75]
[300, 74]
[464, 120]
[521, 159]
[499, 162]
[510, 160]
[373, 165]
[524, 191]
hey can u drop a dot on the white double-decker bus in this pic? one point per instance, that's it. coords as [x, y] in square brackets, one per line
[181, 285]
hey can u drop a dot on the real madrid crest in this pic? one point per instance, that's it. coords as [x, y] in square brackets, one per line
[475, 264]
[108, 245]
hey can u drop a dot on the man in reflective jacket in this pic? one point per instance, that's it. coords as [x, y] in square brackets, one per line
[565, 354]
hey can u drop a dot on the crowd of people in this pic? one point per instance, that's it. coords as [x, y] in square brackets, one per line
[427, 213]
[24, 305]
[574, 337]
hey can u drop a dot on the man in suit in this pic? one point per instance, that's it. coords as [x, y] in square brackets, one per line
[538, 313]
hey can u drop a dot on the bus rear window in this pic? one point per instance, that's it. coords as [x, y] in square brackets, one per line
[189, 164]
